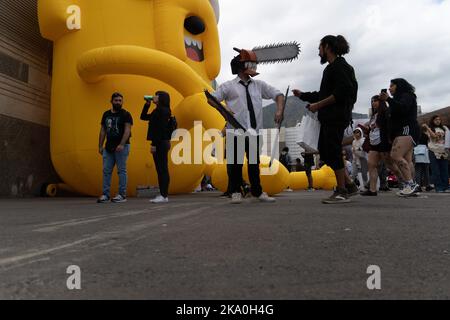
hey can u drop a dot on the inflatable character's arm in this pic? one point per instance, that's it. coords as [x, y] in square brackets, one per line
[126, 59]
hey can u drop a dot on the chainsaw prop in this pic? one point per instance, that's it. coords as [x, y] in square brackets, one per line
[248, 60]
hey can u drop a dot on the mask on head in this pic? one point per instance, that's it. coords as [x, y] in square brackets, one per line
[245, 62]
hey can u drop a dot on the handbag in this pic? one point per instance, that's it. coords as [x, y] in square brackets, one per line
[366, 145]
[309, 133]
[421, 154]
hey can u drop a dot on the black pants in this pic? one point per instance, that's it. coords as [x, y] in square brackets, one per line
[330, 145]
[234, 168]
[308, 170]
[162, 166]
[423, 174]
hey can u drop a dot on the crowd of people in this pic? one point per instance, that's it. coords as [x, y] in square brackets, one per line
[392, 141]
[425, 153]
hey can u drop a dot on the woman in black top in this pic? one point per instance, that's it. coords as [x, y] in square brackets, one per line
[405, 130]
[159, 134]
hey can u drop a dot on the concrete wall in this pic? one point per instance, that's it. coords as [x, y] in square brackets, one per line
[25, 86]
[25, 163]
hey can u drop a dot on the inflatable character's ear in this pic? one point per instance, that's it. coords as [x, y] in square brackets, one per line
[58, 17]
[215, 5]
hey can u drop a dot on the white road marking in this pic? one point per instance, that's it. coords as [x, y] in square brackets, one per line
[50, 227]
[101, 237]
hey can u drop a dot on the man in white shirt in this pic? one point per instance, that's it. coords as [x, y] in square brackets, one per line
[244, 96]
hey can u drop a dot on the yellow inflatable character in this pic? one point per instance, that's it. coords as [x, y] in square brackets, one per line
[135, 47]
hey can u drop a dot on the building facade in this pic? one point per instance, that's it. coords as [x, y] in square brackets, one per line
[25, 85]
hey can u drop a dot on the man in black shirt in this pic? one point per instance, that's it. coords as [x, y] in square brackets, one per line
[116, 129]
[334, 103]
[285, 159]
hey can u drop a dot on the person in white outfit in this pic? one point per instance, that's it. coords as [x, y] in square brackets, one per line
[359, 164]
[244, 96]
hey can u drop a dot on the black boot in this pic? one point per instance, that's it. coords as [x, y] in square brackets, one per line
[369, 193]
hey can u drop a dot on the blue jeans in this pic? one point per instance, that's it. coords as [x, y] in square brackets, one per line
[439, 172]
[109, 161]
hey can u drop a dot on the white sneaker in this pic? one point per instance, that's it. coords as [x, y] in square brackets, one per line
[160, 199]
[265, 198]
[236, 198]
[119, 199]
[410, 190]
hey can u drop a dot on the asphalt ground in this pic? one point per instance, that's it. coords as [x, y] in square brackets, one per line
[199, 247]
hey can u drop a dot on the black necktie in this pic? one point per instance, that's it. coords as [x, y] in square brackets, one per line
[251, 110]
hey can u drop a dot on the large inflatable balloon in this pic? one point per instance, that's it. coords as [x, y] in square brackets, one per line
[322, 179]
[136, 47]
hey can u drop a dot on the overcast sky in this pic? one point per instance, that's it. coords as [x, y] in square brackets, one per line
[389, 39]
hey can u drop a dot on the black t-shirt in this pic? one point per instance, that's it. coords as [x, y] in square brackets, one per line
[339, 80]
[114, 125]
[308, 160]
[403, 108]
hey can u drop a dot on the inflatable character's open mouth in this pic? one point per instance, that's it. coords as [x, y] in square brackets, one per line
[194, 49]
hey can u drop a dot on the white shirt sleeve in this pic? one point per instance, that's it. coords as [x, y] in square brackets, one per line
[269, 92]
[220, 93]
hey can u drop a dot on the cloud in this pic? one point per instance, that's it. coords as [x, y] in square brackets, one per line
[405, 38]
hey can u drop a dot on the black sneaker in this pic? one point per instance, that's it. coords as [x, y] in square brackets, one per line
[338, 196]
[385, 189]
[225, 195]
[352, 189]
[369, 193]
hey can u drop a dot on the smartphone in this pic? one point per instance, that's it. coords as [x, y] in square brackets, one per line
[383, 90]
[148, 98]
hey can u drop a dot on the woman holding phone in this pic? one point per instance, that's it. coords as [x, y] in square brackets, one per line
[159, 134]
[405, 131]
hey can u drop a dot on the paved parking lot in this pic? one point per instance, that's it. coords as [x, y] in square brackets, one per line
[200, 247]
